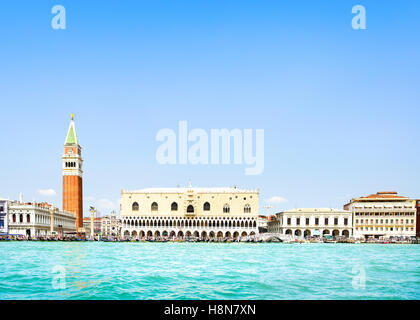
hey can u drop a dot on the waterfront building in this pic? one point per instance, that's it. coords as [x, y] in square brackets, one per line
[111, 225]
[72, 175]
[3, 216]
[34, 219]
[97, 225]
[262, 223]
[418, 218]
[383, 214]
[307, 222]
[189, 212]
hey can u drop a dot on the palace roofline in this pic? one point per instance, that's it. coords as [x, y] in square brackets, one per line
[193, 189]
[314, 210]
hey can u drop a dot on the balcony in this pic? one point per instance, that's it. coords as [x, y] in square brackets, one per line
[190, 214]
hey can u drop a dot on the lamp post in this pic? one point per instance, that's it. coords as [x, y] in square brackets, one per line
[92, 217]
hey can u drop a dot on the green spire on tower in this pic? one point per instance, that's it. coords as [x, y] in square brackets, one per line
[71, 134]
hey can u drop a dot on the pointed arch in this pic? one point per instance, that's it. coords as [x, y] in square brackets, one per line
[247, 208]
[154, 206]
[226, 208]
[206, 206]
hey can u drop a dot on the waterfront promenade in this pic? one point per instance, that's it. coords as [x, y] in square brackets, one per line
[261, 238]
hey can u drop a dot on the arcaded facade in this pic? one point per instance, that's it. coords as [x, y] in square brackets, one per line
[189, 212]
[308, 222]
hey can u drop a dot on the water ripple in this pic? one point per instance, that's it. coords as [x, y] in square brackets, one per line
[208, 271]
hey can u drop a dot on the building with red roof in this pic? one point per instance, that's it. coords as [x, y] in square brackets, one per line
[384, 214]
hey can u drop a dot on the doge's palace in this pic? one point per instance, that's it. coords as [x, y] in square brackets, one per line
[178, 213]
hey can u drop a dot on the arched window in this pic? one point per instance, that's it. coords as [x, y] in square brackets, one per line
[135, 206]
[174, 206]
[21, 218]
[14, 218]
[190, 208]
[28, 218]
[247, 208]
[154, 206]
[226, 208]
[206, 206]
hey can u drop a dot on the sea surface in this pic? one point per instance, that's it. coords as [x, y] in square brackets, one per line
[106, 270]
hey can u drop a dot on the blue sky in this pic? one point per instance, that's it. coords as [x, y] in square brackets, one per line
[339, 107]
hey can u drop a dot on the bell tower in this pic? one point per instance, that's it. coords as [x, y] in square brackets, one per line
[72, 175]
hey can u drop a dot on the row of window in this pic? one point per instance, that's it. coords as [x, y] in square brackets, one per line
[70, 165]
[289, 221]
[307, 233]
[384, 229]
[386, 214]
[28, 218]
[190, 209]
[386, 221]
[38, 219]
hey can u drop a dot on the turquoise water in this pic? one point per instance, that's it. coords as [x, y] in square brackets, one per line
[31, 270]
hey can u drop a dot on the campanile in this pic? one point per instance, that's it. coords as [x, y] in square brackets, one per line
[72, 175]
